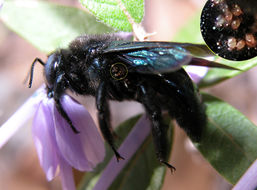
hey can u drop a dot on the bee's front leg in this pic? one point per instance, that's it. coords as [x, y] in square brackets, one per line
[58, 89]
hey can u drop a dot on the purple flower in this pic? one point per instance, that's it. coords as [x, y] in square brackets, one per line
[124, 35]
[196, 73]
[58, 147]
[248, 180]
[1, 4]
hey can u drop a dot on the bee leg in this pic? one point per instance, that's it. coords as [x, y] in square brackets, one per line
[104, 118]
[159, 129]
[57, 92]
[65, 115]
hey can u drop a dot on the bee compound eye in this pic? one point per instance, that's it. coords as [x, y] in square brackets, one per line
[50, 68]
[119, 71]
[229, 28]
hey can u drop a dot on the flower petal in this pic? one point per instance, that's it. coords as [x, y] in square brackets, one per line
[1, 4]
[124, 35]
[196, 72]
[66, 175]
[248, 180]
[23, 114]
[84, 150]
[44, 138]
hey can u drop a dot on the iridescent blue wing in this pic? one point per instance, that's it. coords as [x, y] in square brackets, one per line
[155, 60]
[150, 57]
[160, 57]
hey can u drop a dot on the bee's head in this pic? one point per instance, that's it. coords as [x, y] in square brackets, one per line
[50, 69]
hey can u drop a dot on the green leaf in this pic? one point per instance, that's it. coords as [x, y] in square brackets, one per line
[215, 76]
[112, 13]
[143, 171]
[229, 140]
[48, 26]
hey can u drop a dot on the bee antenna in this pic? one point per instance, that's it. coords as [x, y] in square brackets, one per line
[32, 70]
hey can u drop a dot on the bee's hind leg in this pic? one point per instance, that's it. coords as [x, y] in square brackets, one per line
[159, 129]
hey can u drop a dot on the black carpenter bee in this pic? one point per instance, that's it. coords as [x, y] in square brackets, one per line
[109, 68]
